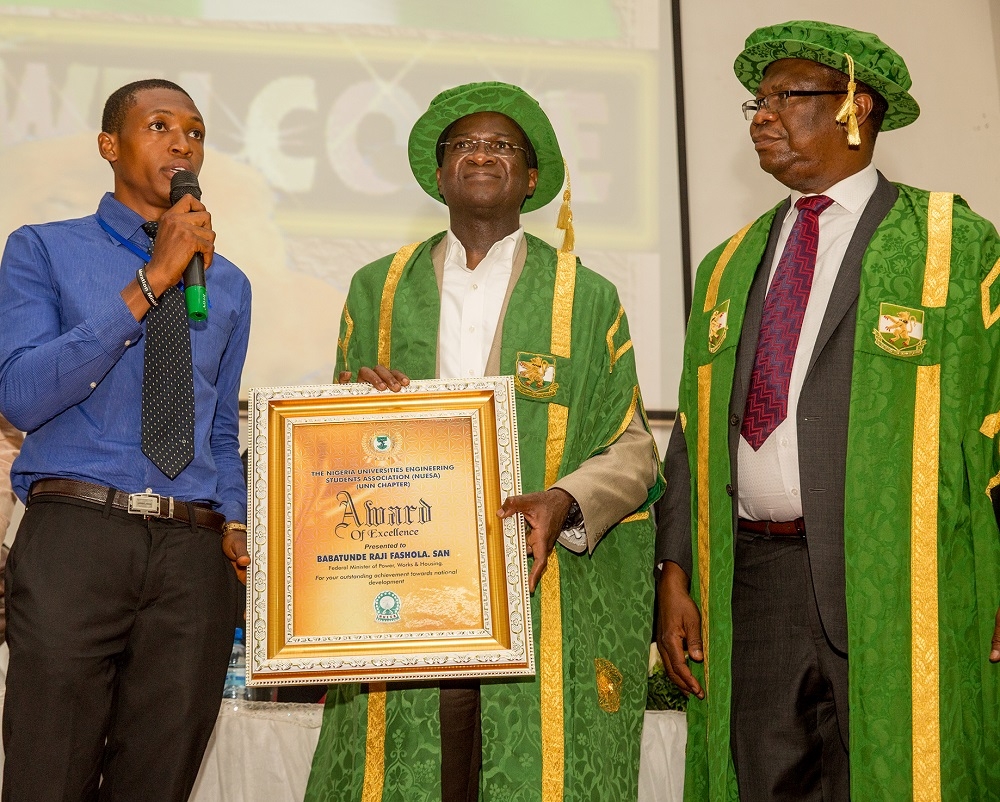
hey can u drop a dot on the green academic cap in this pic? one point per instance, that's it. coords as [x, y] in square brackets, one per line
[507, 99]
[844, 49]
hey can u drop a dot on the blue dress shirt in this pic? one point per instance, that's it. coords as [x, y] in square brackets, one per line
[71, 361]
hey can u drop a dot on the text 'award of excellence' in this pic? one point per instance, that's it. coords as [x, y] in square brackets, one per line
[376, 550]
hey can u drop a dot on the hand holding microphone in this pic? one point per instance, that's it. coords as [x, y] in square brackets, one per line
[184, 182]
[185, 245]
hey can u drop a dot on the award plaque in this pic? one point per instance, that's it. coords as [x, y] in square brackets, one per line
[376, 550]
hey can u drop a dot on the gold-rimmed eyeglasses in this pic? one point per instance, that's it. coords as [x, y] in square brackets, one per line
[777, 102]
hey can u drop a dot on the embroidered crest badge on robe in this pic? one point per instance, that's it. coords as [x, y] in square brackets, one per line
[900, 330]
[718, 326]
[535, 375]
[609, 685]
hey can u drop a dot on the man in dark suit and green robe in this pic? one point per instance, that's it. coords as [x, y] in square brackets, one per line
[485, 298]
[829, 482]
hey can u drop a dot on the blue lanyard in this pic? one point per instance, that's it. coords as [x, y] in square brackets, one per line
[142, 254]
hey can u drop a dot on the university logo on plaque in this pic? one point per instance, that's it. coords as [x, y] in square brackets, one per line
[381, 445]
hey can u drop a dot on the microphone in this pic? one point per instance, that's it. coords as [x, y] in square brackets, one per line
[184, 182]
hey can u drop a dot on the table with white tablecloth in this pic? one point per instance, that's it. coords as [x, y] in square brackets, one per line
[661, 762]
[261, 752]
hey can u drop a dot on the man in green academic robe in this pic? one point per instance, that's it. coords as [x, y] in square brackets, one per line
[829, 478]
[484, 298]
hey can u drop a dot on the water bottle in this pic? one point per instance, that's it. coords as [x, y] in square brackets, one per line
[236, 676]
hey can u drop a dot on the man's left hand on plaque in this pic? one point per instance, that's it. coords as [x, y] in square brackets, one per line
[379, 377]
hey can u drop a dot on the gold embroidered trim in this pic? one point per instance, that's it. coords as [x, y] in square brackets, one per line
[562, 304]
[684, 421]
[926, 670]
[991, 425]
[388, 298]
[636, 516]
[348, 331]
[990, 316]
[611, 337]
[555, 442]
[550, 669]
[992, 483]
[624, 349]
[375, 744]
[713, 283]
[704, 410]
[656, 450]
[551, 690]
[616, 354]
[938, 268]
[624, 424]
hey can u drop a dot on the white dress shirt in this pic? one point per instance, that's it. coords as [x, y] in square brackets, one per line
[769, 484]
[471, 301]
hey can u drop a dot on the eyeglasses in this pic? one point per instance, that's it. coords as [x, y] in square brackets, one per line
[777, 102]
[500, 148]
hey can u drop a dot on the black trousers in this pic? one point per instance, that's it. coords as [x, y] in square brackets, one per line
[120, 631]
[789, 713]
[461, 740]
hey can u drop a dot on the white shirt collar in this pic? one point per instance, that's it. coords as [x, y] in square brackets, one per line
[501, 251]
[852, 192]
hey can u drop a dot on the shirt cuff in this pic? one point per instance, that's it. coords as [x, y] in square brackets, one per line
[114, 327]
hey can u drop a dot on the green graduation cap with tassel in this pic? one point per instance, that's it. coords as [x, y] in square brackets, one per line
[523, 109]
[860, 55]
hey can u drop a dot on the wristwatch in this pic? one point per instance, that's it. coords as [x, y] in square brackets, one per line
[574, 517]
[574, 531]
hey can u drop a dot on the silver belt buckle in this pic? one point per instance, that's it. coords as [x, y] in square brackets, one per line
[148, 504]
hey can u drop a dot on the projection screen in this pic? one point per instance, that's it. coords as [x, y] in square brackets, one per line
[308, 106]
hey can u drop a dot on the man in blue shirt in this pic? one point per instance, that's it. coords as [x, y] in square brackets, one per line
[120, 622]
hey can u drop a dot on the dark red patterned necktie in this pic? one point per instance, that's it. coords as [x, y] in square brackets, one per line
[784, 308]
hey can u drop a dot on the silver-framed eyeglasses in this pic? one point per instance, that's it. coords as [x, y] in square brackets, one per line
[500, 148]
[777, 102]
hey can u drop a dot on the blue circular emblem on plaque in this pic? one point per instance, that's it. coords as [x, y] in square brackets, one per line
[387, 607]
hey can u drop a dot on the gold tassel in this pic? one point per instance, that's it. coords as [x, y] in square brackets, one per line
[848, 111]
[565, 219]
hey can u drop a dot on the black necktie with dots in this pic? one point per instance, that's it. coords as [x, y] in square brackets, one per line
[167, 382]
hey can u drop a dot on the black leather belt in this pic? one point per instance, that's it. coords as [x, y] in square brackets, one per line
[793, 529]
[148, 504]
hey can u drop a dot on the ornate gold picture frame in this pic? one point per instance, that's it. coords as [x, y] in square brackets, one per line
[376, 551]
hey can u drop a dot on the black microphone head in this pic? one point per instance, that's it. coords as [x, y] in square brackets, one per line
[184, 182]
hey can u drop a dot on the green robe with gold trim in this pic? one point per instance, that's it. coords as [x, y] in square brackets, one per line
[605, 597]
[920, 537]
